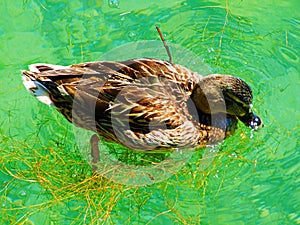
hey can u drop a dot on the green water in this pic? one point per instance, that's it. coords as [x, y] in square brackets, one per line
[45, 180]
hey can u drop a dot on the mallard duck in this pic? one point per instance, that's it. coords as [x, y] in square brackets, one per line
[146, 103]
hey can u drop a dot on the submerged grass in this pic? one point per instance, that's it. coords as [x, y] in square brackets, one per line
[66, 180]
[61, 177]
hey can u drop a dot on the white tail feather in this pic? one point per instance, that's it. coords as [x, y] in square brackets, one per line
[37, 90]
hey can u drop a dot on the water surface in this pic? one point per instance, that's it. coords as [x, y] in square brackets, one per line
[44, 179]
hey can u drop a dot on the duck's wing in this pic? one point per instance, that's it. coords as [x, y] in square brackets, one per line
[142, 110]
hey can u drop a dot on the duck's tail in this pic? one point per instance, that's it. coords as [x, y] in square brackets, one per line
[34, 83]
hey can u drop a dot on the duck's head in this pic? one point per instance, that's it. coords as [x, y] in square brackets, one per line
[218, 93]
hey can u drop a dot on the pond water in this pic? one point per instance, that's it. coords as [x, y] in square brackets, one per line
[44, 177]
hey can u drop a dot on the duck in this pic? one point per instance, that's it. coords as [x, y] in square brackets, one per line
[145, 104]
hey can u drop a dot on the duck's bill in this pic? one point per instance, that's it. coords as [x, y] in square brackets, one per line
[252, 120]
[256, 123]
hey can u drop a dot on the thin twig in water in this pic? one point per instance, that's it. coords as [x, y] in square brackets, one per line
[165, 44]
